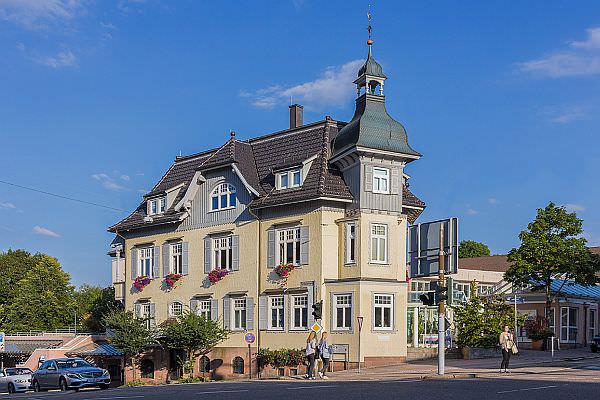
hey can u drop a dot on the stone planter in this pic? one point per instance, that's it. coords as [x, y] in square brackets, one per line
[537, 344]
[474, 353]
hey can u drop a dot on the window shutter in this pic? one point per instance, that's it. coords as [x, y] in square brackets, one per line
[332, 326]
[262, 312]
[134, 253]
[387, 244]
[156, 266]
[271, 248]
[184, 258]
[235, 251]
[304, 242]
[285, 318]
[207, 253]
[138, 310]
[214, 309]
[152, 315]
[345, 248]
[311, 301]
[368, 178]
[194, 306]
[249, 313]
[226, 312]
[395, 184]
[166, 251]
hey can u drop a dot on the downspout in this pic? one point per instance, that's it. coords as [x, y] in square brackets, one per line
[258, 263]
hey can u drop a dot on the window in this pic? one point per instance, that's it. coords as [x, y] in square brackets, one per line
[176, 259]
[300, 312]
[381, 178]
[175, 309]
[463, 287]
[568, 324]
[552, 320]
[343, 311]
[239, 314]
[157, 205]
[379, 243]
[147, 368]
[350, 243]
[384, 311]
[145, 312]
[238, 365]
[592, 325]
[222, 253]
[483, 290]
[222, 197]
[276, 312]
[289, 246]
[204, 309]
[146, 261]
[289, 179]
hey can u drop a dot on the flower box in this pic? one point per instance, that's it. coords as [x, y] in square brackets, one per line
[284, 270]
[141, 282]
[216, 275]
[172, 279]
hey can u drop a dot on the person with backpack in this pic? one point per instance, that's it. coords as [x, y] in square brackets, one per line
[325, 353]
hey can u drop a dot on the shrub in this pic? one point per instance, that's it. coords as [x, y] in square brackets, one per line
[538, 328]
[281, 357]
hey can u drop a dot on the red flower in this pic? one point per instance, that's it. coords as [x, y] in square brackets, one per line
[141, 282]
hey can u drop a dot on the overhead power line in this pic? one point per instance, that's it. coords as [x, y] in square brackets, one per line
[62, 197]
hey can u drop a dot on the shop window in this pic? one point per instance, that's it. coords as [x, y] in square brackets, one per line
[238, 365]
[147, 368]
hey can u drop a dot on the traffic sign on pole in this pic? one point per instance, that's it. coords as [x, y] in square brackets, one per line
[249, 338]
[2, 342]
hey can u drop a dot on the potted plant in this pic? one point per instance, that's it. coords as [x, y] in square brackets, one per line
[172, 279]
[216, 275]
[141, 282]
[284, 270]
[538, 331]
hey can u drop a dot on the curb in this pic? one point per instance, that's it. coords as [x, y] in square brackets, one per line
[448, 377]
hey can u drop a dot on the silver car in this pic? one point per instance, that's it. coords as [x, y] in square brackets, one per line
[69, 373]
[13, 380]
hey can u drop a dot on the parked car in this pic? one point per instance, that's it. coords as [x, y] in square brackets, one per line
[69, 373]
[13, 380]
[595, 345]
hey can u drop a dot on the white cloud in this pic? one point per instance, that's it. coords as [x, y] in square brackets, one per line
[493, 200]
[61, 60]
[570, 114]
[333, 89]
[108, 182]
[100, 177]
[108, 25]
[38, 230]
[471, 211]
[125, 178]
[579, 59]
[38, 14]
[574, 207]
[8, 205]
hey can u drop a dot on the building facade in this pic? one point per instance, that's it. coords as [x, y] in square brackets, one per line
[329, 198]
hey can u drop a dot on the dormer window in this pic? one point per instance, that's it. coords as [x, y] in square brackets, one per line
[289, 179]
[381, 180]
[157, 205]
[223, 197]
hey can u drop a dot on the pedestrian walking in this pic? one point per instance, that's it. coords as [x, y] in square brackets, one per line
[507, 343]
[311, 349]
[325, 352]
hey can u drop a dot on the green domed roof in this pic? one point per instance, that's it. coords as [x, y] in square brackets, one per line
[371, 67]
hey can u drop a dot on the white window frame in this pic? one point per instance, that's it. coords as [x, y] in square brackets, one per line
[222, 246]
[289, 178]
[351, 242]
[157, 205]
[227, 190]
[162, 205]
[204, 308]
[145, 313]
[375, 239]
[286, 237]
[592, 313]
[175, 309]
[567, 338]
[552, 321]
[383, 301]
[238, 308]
[342, 301]
[277, 304]
[176, 256]
[299, 302]
[381, 180]
[145, 260]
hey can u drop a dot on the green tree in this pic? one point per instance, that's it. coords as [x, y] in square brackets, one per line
[129, 334]
[14, 265]
[471, 248]
[195, 335]
[552, 249]
[42, 299]
[93, 302]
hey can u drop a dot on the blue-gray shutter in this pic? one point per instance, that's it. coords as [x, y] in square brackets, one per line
[235, 253]
[226, 312]
[304, 242]
[263, 312]
[207, 253]
[166, 251]
[214, 309]
[184, 258]
[311, 301]
[156, 266]
[249, 313]
[152, 315]
[395, 184]
[138, 310]
[194, 306]
[271, 248]
[133, 263]
[368, 178]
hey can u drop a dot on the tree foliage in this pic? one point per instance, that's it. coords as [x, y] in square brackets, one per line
[194, 334]
[471, 248]
[552, 248]
[93, 302]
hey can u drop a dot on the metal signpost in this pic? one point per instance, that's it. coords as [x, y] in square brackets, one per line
[360, 323]
[2, 348]
[250, 338]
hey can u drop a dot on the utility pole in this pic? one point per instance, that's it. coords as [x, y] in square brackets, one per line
[441, 308]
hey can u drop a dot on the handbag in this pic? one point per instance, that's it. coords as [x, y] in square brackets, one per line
[514, 349]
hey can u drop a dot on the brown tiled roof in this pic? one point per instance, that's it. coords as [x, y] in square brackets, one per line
[491, 263]
[595, 250]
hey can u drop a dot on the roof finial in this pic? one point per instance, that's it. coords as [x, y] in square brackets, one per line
[369, 29]
[231, 133]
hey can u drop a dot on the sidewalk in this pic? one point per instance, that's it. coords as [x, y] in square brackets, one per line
[419, 369]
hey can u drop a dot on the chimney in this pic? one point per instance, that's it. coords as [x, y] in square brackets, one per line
[296, 116]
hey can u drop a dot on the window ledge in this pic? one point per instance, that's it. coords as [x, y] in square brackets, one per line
[221, 209]
[380, 263]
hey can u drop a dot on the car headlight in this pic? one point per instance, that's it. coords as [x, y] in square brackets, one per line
[105, 373]
[74, 376]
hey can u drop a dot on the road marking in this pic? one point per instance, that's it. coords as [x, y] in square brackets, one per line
[526, 389]
[309, 387]
[114, 397]
[224, 391]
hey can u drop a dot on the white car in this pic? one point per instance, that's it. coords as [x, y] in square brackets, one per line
[13, 380]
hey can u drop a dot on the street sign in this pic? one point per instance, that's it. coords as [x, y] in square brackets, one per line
[360, 322]
[316, 327]
[2, 342]
[519, 300]
[424, 247]
[249, 338]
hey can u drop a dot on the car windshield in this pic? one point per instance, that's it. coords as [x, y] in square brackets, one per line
[18, 371]
[65, 364]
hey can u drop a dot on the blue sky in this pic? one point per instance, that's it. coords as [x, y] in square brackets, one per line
[97, 97]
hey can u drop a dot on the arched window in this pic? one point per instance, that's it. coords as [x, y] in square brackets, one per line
[222, 197]
[204, 364]
[238, 365]
[175, 309]
[147, 368]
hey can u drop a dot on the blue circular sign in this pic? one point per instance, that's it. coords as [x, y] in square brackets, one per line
[249, 338]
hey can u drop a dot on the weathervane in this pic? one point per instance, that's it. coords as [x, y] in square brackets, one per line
[369, 28]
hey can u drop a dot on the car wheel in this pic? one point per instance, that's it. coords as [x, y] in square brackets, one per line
[63, 385]
[11, 388]
[103, 387]
[36, 386]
